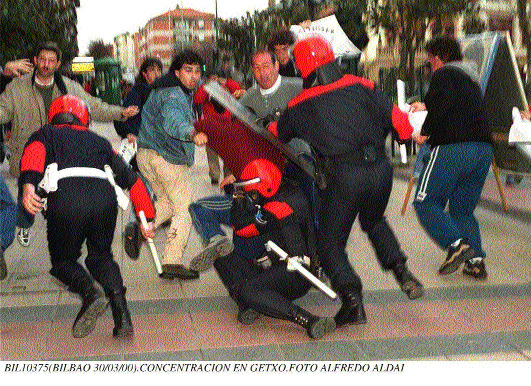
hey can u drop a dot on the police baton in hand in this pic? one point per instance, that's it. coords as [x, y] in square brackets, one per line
[293, 263]
[154, 253]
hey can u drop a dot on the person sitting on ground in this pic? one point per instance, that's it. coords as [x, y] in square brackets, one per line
[264, 203]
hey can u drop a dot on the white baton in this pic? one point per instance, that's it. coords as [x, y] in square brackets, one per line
[154, 253]
[271, 246]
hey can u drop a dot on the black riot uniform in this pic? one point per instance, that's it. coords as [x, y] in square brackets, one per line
[346, 120]
[266, 204]
[83, 208]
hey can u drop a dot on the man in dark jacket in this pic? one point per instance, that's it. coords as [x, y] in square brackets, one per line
[461, 154]
[280, 43]
[149, 72]
[346, 121]
[74, 168]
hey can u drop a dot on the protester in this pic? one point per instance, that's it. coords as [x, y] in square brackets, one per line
[460, 158]
[166, 153]
[81, 209]
[25, 103]
[346, 120]
[267, 99]
[280, 43]
[150, 71]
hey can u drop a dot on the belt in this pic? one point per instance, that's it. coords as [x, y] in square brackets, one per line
[52, 175]
[367, 154]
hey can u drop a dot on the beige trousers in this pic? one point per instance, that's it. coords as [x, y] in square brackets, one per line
[171, 185]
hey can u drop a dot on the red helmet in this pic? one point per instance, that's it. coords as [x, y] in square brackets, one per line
[311, 53]
[69, 109]
[261, 175]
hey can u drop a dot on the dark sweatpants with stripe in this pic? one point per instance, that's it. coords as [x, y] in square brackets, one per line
[83, 209]
[453, 174]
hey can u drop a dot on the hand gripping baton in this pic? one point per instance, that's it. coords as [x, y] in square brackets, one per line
[271, 246]
[154, 253]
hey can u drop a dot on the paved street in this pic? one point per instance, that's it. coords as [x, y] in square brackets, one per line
[457, 319]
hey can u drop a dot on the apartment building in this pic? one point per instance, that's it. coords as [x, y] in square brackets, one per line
[171, 31]
[124, 51]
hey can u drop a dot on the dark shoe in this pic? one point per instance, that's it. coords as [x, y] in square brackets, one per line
[351, 311]
[475, 269]
[218, 246]
[3, 265]
[315, 326]
[408, 283]
[179, 271]
[93, 306]
[123, 326]
[456, 257]
[247, 316]
[132, 240]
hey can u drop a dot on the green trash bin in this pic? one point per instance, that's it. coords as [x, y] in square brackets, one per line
[107, 80]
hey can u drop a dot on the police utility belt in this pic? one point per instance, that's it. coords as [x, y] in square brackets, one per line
[52, 176]
[364, 155]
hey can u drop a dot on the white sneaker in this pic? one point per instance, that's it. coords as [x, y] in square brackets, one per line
[23, 237]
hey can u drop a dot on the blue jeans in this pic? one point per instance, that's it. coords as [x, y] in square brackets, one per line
[454, 174]
[207, 216]
[8, 215]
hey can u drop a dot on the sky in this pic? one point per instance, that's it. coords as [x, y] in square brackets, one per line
[104, 19]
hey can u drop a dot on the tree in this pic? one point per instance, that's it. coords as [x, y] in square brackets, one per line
[350, 18]
[408, 20]
[240, 38]
[25, 25]
[98, 49]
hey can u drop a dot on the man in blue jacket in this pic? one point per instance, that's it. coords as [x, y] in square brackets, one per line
[166, 153]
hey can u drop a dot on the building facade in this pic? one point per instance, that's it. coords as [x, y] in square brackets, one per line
[172, 31]
[124, 51]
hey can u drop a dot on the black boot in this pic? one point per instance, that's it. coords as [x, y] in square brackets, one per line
[93, 306]
[315, 326]
[408, 283]
[351, 311]
[123, 326]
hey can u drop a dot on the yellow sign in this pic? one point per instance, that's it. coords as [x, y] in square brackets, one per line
[81, 65]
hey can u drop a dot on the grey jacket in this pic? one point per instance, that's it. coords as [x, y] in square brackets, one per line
[23, 106]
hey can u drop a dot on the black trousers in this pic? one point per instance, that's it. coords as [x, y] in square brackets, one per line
[83, 209]
[355, 189]
[268, 291]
